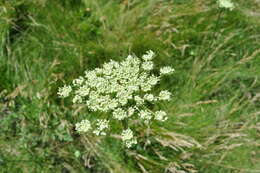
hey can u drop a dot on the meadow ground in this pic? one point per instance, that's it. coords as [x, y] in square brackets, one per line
[214, 115]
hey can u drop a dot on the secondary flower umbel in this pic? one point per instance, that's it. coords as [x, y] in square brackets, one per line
[121, 90]
[228, 4]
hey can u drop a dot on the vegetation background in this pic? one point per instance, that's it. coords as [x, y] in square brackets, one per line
[214, 115]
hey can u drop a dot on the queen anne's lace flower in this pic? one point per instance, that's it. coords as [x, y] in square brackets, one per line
[101, 126]
[131, 111]
[166, 70]
[145, 115]
[149, 97]
[148, 56]
[160, 116]
[164, 95]
[226, 4]
[83, 126]
[119, 114]
[83, 91]
[78, 82]
[77, 99]
[153, 80]
[120, 91]
[128, 138]
[139, 101]
[130, 143]
[64, 91]
[127, 135]
[148, 65]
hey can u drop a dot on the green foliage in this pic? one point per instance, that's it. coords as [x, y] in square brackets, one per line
[213, 121]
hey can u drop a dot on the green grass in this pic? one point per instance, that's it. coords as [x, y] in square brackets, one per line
[213, 115]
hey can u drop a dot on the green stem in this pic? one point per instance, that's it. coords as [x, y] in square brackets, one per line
[125, 123]
[213, 36]
[217, 24]
[125, 156]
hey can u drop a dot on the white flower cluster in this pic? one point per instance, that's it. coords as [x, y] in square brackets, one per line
[160, 115]
[128, 138]
[166, 70]
[102, 125]
[226, 4]
[164, 95]
[64, 91]
[121, 89]
[83, 126]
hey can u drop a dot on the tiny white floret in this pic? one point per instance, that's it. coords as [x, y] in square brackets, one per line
[164, 95]
[127, 134]
[83, 126]
[160, 116]
[149, 97]
[139, 100]
[77, 99]
[102, 124]
[147, 65]
[148, 56]
[128, 138]
[119, 114]
[78, 82]
[64, 91]
[166, 70]
[145, 115]
[226, 4]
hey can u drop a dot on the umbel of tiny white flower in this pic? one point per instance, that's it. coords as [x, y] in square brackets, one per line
[164, 95]
[64, 91]
[228, 4]
[160, 115]
[166, 70]
[102, 125]
[148, 56]
[121, 91]
[83, 126]
[128, 138]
